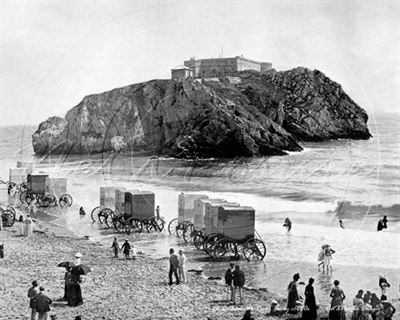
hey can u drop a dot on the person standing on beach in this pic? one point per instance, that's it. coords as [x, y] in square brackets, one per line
[182, 266]
[32, 292]
[388, 309]
[115, 246]
[67, 282]
[341, 224]
[158, 212]
[321, 256]
[288, 224]
[238, 283]
[229, 280]
[310, 305]
[173, 266]
[328, 257]
[384, 221]
[383, 284]
[28, 226]
[42, 304]
[337, 309]
[126, 249]
[357, 304]
[293, 296]
[366, 310]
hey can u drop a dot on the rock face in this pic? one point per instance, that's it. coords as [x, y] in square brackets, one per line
[247, 114]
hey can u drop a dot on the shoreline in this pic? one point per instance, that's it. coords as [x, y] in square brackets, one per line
[115, 289]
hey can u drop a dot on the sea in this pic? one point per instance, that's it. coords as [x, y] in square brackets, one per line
[357, 181]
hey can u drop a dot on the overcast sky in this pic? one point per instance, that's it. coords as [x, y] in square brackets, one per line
[54, 53]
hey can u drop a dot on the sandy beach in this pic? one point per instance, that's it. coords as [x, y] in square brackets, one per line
[115, 289]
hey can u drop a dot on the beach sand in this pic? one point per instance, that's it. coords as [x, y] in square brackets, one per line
[115, 289]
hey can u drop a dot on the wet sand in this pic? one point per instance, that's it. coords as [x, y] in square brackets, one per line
[115, 289]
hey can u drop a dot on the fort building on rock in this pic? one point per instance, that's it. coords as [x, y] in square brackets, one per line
[215, 67]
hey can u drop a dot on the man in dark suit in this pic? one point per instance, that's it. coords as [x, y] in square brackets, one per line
[238, 283]
[42, 304]
[229, 280]
[173, 266]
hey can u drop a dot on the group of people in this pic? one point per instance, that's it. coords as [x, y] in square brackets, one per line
[38, 302]
[177, 267]
[127, 249]
[369, 307]
[234, 280]
[325, 257]
[366, 307]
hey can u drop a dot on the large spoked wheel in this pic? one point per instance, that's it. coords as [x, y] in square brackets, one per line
[94, 214]
[32, 198]
[11, 208]
[133, 225]
[110, 219]
[8, 218]
[119, 223]
[188, 233]
[160, 223]
[208, 244]
[225, 248]
[172, 226]
[23, 195]
[254, 249]
[65, 200]
[198, 239]
[23, 187]
[150, 225]
[103, 215]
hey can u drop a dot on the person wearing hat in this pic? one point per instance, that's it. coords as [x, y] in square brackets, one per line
[32, 292]
[78, 257]
[42, 304]
[293, 296]
[126, 249]
[310, 306]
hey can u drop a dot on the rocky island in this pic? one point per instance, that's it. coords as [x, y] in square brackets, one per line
[246, 114]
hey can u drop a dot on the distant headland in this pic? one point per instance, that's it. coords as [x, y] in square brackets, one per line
[224, 107]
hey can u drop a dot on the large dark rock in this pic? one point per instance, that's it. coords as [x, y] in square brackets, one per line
[247, 114]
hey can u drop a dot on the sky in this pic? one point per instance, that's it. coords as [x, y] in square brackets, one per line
[53, 53]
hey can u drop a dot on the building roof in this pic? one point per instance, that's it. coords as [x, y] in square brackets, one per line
[180, 67]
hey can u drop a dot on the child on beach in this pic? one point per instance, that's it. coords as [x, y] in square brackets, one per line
[126, 249]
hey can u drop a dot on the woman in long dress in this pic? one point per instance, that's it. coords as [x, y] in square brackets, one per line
[293, 296]
[337, 309]
[75, 291]
[310, 306]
